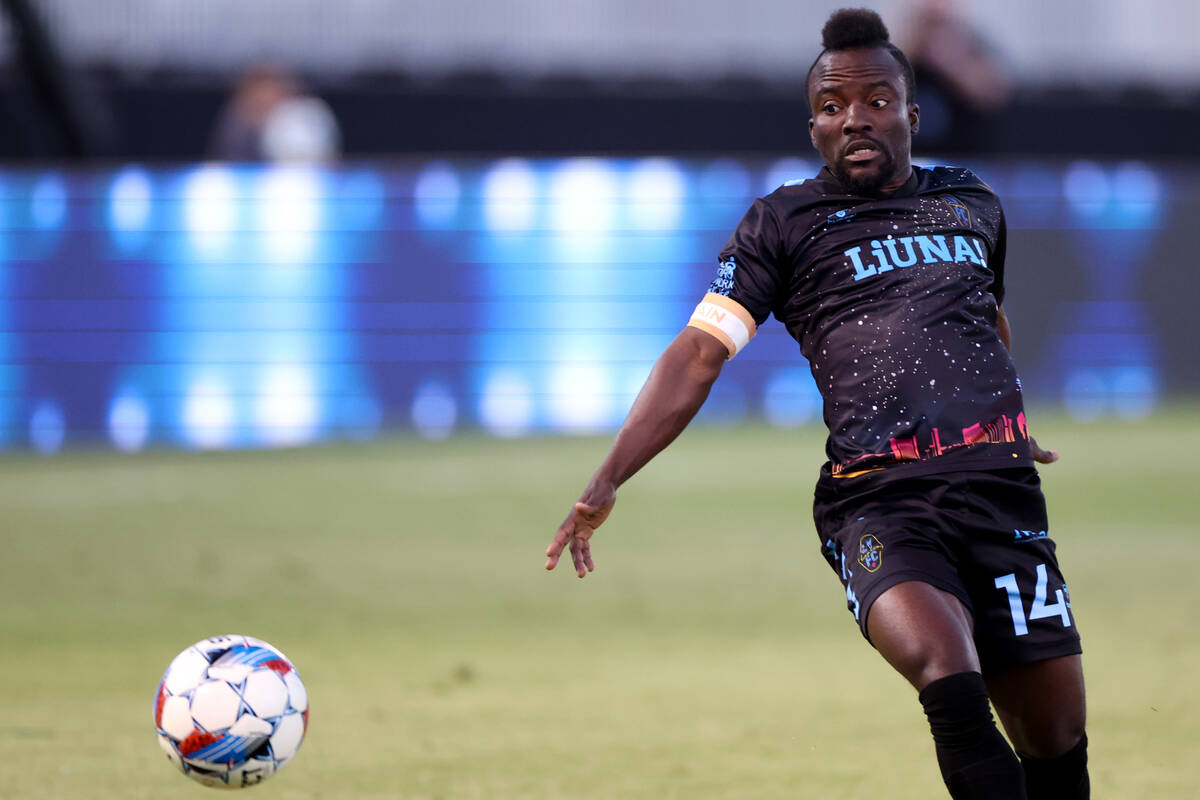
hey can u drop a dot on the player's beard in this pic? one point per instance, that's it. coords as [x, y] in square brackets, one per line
[866, 183]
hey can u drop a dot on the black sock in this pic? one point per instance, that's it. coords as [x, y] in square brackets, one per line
[976, 761]
[1062, 778]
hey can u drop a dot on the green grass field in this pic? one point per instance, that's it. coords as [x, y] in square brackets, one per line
[710, 655]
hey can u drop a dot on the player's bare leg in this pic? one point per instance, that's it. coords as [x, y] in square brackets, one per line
[926, 635]
[1041, 705]
[1043, 710]
[923, 632]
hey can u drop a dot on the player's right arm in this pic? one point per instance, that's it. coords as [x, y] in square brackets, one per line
[723, 323]
[676, 389]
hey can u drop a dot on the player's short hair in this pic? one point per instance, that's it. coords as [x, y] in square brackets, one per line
[850, 28]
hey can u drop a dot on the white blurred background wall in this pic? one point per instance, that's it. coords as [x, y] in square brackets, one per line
[1043, 42]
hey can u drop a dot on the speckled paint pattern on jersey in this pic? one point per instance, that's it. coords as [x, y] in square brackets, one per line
[893, 301]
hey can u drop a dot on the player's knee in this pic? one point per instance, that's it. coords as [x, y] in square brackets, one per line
[1043, 706]
[922, 664]
[922, 660]
[1051, 741]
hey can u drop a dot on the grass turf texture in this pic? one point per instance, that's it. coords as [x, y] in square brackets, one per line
[710, 656]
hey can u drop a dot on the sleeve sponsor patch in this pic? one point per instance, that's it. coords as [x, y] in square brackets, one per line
[726, 320]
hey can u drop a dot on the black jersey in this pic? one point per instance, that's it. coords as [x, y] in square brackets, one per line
[893, 301]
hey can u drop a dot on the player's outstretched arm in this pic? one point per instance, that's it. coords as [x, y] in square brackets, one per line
[677, 387]
[1005, 330]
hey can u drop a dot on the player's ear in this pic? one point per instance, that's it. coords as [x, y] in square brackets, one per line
[914, 118]
[811, 125]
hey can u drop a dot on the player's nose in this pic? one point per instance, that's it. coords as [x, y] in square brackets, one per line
[855, 119]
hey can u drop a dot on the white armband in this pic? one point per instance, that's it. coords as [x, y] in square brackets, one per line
[725, 319]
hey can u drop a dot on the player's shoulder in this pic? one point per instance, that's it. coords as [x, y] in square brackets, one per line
[801, 194]
[942, 178]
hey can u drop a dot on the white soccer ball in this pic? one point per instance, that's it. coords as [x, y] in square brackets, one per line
[230, 711]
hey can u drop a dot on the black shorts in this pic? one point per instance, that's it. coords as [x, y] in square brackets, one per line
[981, 536]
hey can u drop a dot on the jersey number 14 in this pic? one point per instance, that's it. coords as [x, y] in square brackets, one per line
[1040, 609]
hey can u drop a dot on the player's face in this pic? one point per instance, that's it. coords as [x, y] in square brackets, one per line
[861, 124]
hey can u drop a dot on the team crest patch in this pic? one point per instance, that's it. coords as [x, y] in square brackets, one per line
[870, 552]
[960, 209]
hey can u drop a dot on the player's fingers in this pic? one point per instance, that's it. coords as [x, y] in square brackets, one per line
[561, 537]
[1041, 455]
[577, 557]
[587, 556]
[554, 551]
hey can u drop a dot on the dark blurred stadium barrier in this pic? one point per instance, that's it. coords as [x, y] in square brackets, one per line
[173, 117]
[213, 306]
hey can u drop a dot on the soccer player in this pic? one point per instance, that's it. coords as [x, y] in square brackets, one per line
[929, 509]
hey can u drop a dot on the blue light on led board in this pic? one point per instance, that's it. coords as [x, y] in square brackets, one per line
[218, 306]
[130, 202]
[48, 203]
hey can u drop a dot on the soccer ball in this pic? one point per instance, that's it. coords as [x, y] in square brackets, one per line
[230, 711]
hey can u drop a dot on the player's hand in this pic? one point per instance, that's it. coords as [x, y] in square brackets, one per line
[576, 533]
[1042, 456]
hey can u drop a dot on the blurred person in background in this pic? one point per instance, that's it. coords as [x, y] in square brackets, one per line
[271, 118]
[963, 85]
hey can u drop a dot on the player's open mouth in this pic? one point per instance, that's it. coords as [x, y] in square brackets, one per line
[861, 151]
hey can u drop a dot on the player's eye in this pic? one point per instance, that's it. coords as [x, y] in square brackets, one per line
[879, 102]
[830, 108]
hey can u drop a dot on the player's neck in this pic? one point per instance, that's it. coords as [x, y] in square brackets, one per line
[901, 180]
[905, 180]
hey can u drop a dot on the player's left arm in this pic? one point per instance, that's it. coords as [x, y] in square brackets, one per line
[996, 263]
[1005, 330]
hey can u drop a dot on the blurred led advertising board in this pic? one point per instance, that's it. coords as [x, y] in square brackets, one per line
[216, 306]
